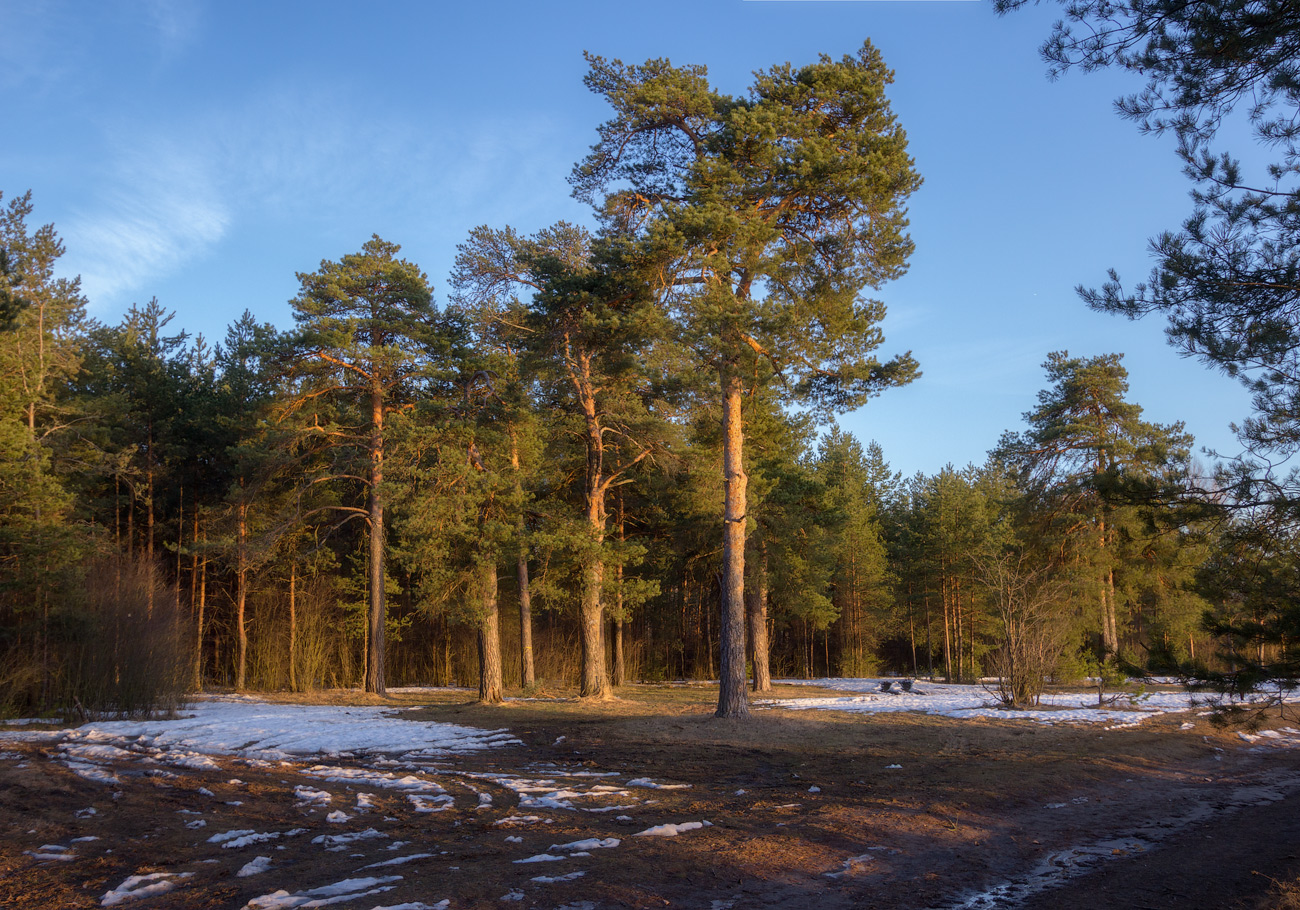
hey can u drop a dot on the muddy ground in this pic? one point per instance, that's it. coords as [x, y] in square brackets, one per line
[807, 809]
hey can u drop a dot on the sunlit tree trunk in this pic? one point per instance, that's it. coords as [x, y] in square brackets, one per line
[293, 625]
[1109, 624]
[489, 639]
[199, 591]
[241, 589]
[732, 698]
[620, 666]
[376, 636]
[595, 673]
[756, 599]
[527, 672]
[947, 628]
[149, 514]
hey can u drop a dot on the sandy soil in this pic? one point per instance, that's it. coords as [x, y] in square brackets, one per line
[806, 810]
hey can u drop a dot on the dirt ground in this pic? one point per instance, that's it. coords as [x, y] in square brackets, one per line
[807, 809]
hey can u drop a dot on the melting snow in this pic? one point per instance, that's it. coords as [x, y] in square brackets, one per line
[542, 858]
[337, 893]
[136, 886]
[975, 701]
[672, 830]
[590, 843]
[250, 728]
[552, 879]
[254, 867]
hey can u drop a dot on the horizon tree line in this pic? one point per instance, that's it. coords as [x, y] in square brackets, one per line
[638, 420]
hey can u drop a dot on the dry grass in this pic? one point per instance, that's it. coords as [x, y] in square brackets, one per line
[1283, 895]
[791, 795]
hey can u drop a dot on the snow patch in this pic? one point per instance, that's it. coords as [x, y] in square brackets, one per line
[137, 886]
[672, 830]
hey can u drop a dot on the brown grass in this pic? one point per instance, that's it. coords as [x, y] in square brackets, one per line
[968, 805]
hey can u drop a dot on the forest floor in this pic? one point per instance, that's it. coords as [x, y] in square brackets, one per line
[787, 809]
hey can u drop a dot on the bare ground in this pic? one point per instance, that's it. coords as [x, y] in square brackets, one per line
[805, 807]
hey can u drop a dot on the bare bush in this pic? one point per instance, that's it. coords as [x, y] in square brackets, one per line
[1031, 609]
[127, 648]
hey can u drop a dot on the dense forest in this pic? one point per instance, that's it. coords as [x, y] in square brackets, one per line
[608, 454]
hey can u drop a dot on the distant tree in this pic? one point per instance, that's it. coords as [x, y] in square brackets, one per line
[41, 349]
[457, 515]
[1085, 444]
[139, 375]
[45, 319]
[858, 483]
[794, 528]
[952, 522]
[496, 322]
[584, 330]
[771, 213]
[247, 387]
[1228, 280]
[11, 304]
[367, 333]
[1252, 578]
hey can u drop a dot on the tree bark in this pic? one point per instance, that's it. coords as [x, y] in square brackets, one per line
[595, 672]
[377, 617]
[489, 640]
[149, 519]
[620, 666]
[200, 608]
[527, 672]
[948, 628]
[756, 601]
[293, 626]
[241, 589]
[1109, 625]
[595, 675]
[732, 699]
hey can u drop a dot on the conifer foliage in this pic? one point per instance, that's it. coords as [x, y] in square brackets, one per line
[368, 338]
[771, 214]
[333, 505]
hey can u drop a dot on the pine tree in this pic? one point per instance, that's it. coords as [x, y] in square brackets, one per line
[770, 213]
[857, 482]
[40, 351]
[1084, 444]
[583, 333]
[368, 336]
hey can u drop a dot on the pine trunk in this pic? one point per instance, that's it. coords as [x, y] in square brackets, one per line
[200, 608]
[377, 619]
[293, 626]
[527, 672]
[149, 520]
[595, 673]
[756, 601]
[595, 676]
[732, 698]
[620, 665]
[489, 641]
[241, 591]
[947, 630]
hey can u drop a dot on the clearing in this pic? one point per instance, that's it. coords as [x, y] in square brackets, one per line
[423, 800]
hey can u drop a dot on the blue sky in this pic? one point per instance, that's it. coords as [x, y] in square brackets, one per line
[205, 152]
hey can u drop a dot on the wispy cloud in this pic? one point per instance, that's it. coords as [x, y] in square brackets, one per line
[318, 157]
[159, 210]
